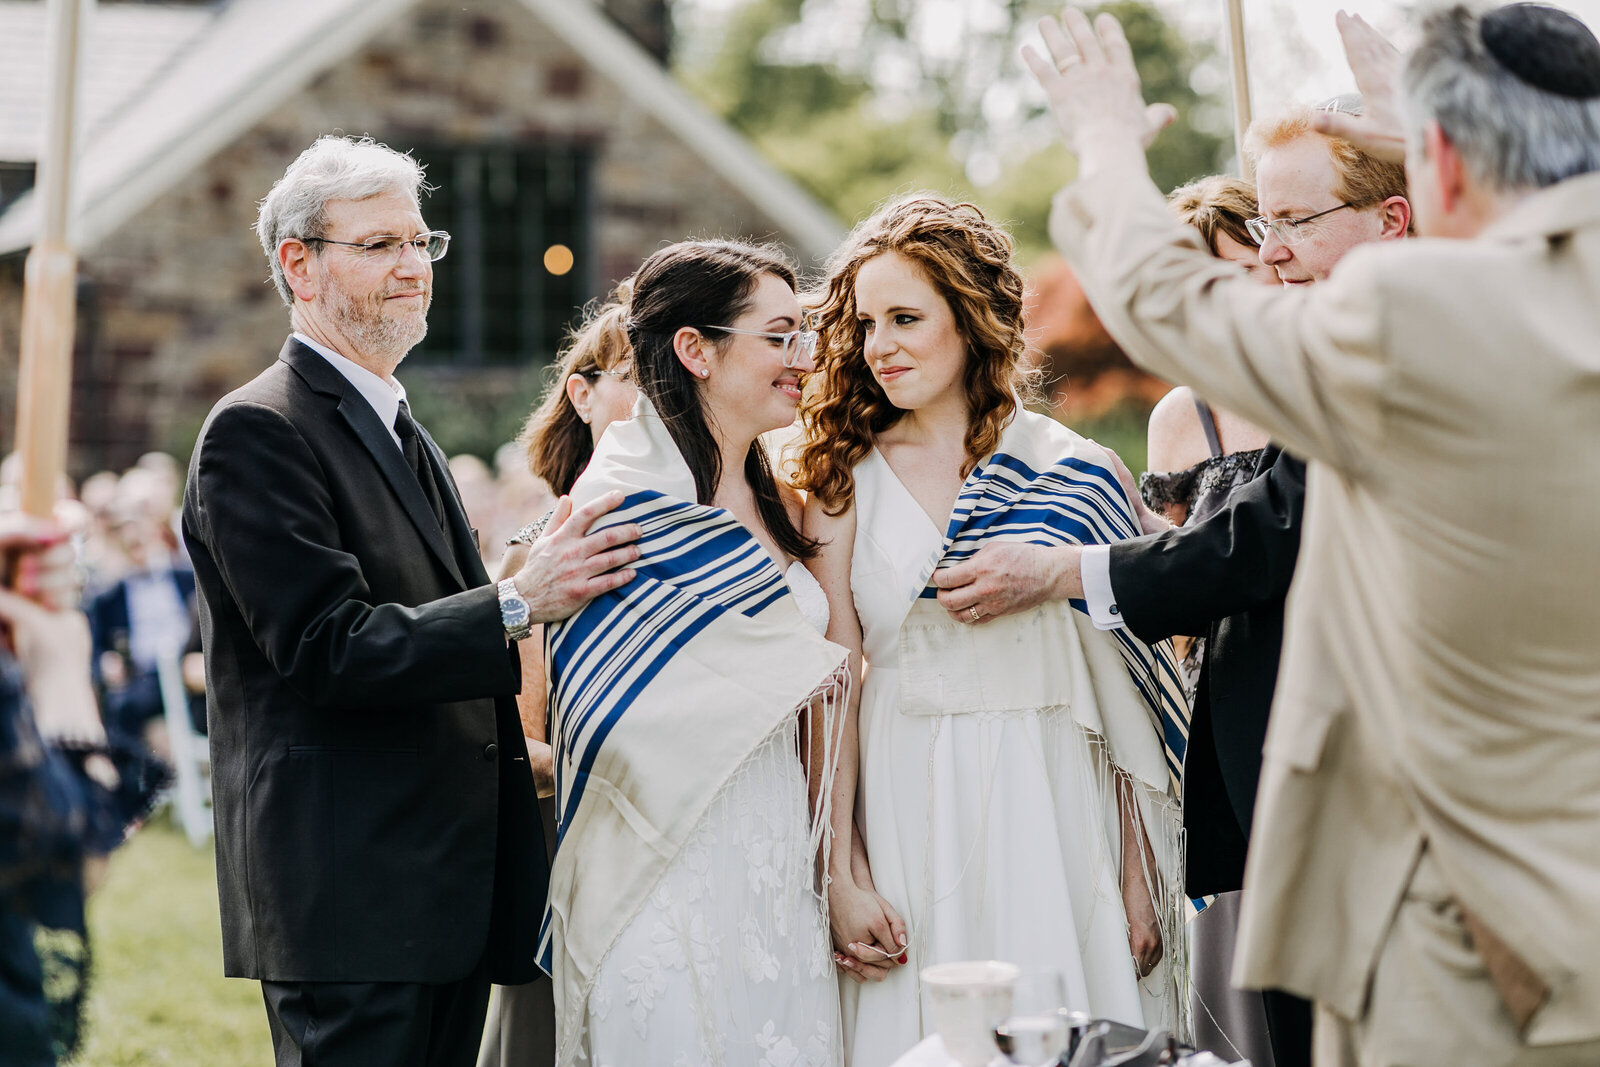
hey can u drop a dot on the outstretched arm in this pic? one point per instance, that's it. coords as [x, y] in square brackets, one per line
[262, 521]
[1310, 366]
[1238, 559]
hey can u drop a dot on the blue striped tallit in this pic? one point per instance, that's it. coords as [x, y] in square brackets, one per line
[1045, 485]
[658, 693]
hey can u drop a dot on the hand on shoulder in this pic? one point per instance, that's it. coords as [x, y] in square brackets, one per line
[568, 566]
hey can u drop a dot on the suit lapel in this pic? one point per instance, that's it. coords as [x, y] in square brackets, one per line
[374, 436]
[1269, 456]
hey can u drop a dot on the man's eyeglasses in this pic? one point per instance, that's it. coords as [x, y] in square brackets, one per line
[431, 246]
[1288, 230]
[798, 345]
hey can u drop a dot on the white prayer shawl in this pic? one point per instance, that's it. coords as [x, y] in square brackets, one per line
[1046, 485]
[659, 692]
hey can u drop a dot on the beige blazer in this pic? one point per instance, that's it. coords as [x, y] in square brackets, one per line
[1441, 670]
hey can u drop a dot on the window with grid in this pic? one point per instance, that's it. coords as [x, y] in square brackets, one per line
[519, 266]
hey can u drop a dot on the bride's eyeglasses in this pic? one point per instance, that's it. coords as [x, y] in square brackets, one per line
[798, 345]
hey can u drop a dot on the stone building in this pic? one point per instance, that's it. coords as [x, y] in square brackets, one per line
[562, 151]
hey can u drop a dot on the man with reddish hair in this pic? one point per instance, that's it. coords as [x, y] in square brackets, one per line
[1424, 861]
[1322, 195]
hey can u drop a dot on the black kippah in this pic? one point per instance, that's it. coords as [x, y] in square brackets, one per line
[1544, 47]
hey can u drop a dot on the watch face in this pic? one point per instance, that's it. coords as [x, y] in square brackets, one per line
[514, 611]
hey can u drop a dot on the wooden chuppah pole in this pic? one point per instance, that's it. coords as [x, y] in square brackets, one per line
[49, 294]
[1241, 84]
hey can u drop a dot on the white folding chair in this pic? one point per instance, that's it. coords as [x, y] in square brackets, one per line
[191, 755]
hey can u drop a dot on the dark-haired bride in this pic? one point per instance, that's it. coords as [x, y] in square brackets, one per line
[685, 923]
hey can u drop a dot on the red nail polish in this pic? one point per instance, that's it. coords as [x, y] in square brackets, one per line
[902, 957]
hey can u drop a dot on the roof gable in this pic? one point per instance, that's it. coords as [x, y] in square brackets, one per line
[252, 54]
[124, 48]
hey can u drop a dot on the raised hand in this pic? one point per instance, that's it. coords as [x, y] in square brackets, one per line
[567, 566]
[1093, 89]
[1376, 64]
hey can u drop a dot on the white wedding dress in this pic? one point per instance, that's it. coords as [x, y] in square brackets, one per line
[976, 825]
[729, 962]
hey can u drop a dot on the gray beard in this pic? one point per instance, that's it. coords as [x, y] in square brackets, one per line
[387, 337]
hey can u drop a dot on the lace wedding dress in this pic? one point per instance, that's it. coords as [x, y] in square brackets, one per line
[729, 961]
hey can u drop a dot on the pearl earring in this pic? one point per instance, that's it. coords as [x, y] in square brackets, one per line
[705, 374]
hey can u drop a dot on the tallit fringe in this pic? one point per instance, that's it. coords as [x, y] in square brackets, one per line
[1098, 776]
[826, 703]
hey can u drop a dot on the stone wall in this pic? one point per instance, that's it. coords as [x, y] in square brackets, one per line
[176, 308]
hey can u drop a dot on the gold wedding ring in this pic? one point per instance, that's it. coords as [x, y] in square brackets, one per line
[973, 611]
[1072, 60]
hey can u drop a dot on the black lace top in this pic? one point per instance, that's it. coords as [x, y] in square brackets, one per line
[1202, 488]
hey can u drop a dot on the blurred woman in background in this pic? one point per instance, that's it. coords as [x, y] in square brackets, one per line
[592, 388]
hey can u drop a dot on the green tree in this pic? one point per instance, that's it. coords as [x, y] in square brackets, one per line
[1187, 149]
[832, 128]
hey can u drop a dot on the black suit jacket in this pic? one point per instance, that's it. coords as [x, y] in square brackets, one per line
[1224, 578]
[375, 813]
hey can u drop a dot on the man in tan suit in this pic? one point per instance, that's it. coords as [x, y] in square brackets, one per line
[1426, 852]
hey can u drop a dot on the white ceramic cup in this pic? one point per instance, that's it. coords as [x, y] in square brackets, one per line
[968, 1000]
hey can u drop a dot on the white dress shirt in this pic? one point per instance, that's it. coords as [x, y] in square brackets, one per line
[384, 396]
[158, 618]
[1094, 567]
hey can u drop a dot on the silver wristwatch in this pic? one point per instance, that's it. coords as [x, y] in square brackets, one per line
[514, 613]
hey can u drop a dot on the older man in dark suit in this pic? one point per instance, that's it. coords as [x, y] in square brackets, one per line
[378, 849]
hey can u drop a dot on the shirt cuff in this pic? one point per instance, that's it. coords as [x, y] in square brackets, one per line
[1095, 569]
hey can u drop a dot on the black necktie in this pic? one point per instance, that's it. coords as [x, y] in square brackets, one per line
[411, 445]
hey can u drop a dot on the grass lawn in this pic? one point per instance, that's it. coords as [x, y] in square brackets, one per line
[157, 994]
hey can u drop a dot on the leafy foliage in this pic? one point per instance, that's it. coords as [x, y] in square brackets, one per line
[854, 142]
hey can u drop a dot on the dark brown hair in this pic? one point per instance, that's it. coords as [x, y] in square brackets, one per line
[967, 259]
[558, 443]
[704, 284]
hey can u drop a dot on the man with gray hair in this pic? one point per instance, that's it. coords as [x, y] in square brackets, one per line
[379, 858]
[1424, 860]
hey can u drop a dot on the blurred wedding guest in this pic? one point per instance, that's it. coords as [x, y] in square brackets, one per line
[1423, 860]
[376, 822]
[1192, 469]
[67, 794]
[685, 921]
[591, 389]
[522, 493]
[99, 559]
[479, 496]
[161, 487]
[1198, 453]
[1003, 791]
[144, 618]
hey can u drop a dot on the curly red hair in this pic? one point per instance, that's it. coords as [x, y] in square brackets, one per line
[967, 258]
